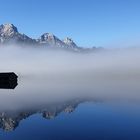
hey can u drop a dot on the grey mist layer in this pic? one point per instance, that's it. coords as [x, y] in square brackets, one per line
[49, 76]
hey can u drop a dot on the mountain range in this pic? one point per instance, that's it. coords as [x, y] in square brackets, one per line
[9, 34]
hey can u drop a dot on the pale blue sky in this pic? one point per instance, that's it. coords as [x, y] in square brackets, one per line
[87, 22]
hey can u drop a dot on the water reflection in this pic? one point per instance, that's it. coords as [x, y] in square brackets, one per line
[9, 120]
[33, 96]
[50, 95]
[51, 83]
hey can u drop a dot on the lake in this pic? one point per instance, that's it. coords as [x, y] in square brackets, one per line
[65, 96]
[50, 107]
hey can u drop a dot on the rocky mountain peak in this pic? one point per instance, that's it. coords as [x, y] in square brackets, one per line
[48, 37]
[68, 41]
[8, 30]
[9, 35]
[51, 40]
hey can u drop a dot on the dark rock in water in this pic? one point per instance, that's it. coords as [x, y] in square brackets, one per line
[8, 84]
[8, 76]
[8, 80]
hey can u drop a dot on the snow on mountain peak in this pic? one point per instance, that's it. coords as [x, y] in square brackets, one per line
[48, 36]
[7, 29]
[51, 40]
[9, 35]
[68, 41]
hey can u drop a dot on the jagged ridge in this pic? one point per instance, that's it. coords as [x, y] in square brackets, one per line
[9, 34]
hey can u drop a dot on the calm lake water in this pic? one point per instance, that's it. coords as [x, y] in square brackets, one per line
[70, 96]
[100, 121]
[66, 108]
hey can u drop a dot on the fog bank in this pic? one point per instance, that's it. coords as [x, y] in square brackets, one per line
[47, 76]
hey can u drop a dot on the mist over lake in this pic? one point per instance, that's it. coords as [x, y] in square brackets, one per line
[51, 82]
[106, 75]
[69, 70]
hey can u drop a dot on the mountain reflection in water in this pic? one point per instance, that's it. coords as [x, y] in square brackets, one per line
[31, 97]
[114, 113]
[10, 120]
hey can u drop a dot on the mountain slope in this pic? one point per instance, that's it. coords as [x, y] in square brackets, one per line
[50, 40]
[9, 35]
